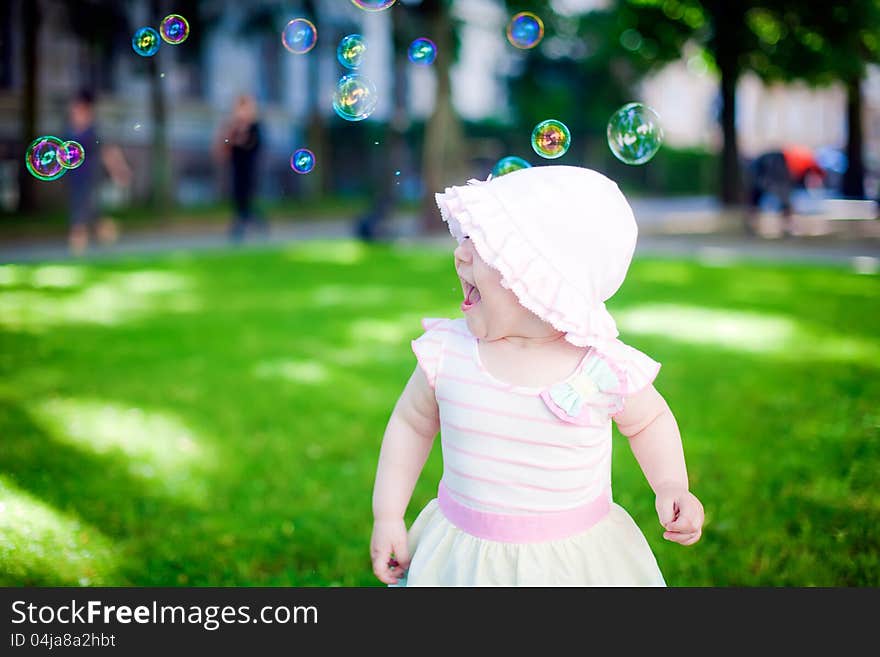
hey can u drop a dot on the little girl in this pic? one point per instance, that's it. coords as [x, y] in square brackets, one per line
[523, 390]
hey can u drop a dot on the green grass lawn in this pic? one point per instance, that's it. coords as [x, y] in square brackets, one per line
[215, 419]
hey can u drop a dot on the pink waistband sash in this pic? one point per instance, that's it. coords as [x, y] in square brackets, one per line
[532, 528]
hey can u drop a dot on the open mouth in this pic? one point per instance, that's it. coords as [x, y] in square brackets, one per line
[471, 297]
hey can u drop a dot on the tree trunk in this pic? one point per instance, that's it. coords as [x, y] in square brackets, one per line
[727, 21]
[854, 177]
[443, 155]
[160, 161]
[394, 142]
[317, 183]
[30, 38]
[390, 155]
[731, 184]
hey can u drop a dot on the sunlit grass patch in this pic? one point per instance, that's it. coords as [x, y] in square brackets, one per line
[42, 276]
[42, 545]
[309, 371]
[55, 296]
[158, 448]
[765, 333]
[341, 252]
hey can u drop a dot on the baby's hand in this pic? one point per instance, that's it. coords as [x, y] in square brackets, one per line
[389, 538]
[681, 513]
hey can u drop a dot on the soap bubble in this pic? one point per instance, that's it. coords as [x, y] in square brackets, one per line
[525, 30]
[299, 36]
[373, 5]
[71, 155]
[634, 133]
[355, 97]
[551, 139]
[422, 51]
[174, 29]
[351, 50]
[302, 161]
[41, 158]
[509, 164]
[146, 42]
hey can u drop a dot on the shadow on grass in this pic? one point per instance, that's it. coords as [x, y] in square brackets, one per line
[96, 489]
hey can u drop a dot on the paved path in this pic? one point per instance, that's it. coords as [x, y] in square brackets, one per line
[688, 237]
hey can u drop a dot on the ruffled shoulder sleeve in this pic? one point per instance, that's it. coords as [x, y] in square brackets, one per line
[428, 347]
[635, 370]
[599, 388]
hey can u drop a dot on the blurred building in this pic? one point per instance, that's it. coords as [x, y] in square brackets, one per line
[685, 95]
[768, 116]
[238, 50]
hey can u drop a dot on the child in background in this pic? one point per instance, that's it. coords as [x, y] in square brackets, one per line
[84, 181]
[240, 142]
[523, 389]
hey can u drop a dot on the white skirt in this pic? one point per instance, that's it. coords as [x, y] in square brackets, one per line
[613, 552]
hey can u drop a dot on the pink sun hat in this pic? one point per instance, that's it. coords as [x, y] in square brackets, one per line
[562, 238]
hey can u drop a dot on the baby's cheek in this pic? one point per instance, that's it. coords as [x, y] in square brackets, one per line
[502, 300]
[486, 277]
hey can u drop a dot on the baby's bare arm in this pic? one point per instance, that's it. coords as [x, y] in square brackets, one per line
[654, 438]
[409, 436]
[656, 443]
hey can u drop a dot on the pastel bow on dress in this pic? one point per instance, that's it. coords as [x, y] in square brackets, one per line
[590, 397]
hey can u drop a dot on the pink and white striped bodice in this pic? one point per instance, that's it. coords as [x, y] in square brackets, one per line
[518, 450]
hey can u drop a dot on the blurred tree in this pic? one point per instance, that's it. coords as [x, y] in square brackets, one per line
[384, 182]
[718, 26]
[778, 40]
[316, 123]
[821, 43]
[31, 17]
[580, 73]
[444, 150]
[102, 29]
[161, 196]
[267, 20]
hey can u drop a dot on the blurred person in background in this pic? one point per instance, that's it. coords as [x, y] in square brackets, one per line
[778, 173]
[239, 142]
[84, 181]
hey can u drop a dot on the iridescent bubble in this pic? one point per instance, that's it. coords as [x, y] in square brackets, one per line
[146, 42]
[302, 161]
[41, 158]
[509, 164]
[174, 29]
[299, 36]
[351, 50]
[71, 155]
[525, 30]
[373, 5]
[551, 139]
[355, 97]
[634, 133]
[422, 51]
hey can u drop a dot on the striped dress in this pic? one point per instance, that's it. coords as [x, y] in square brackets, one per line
[525, 496]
